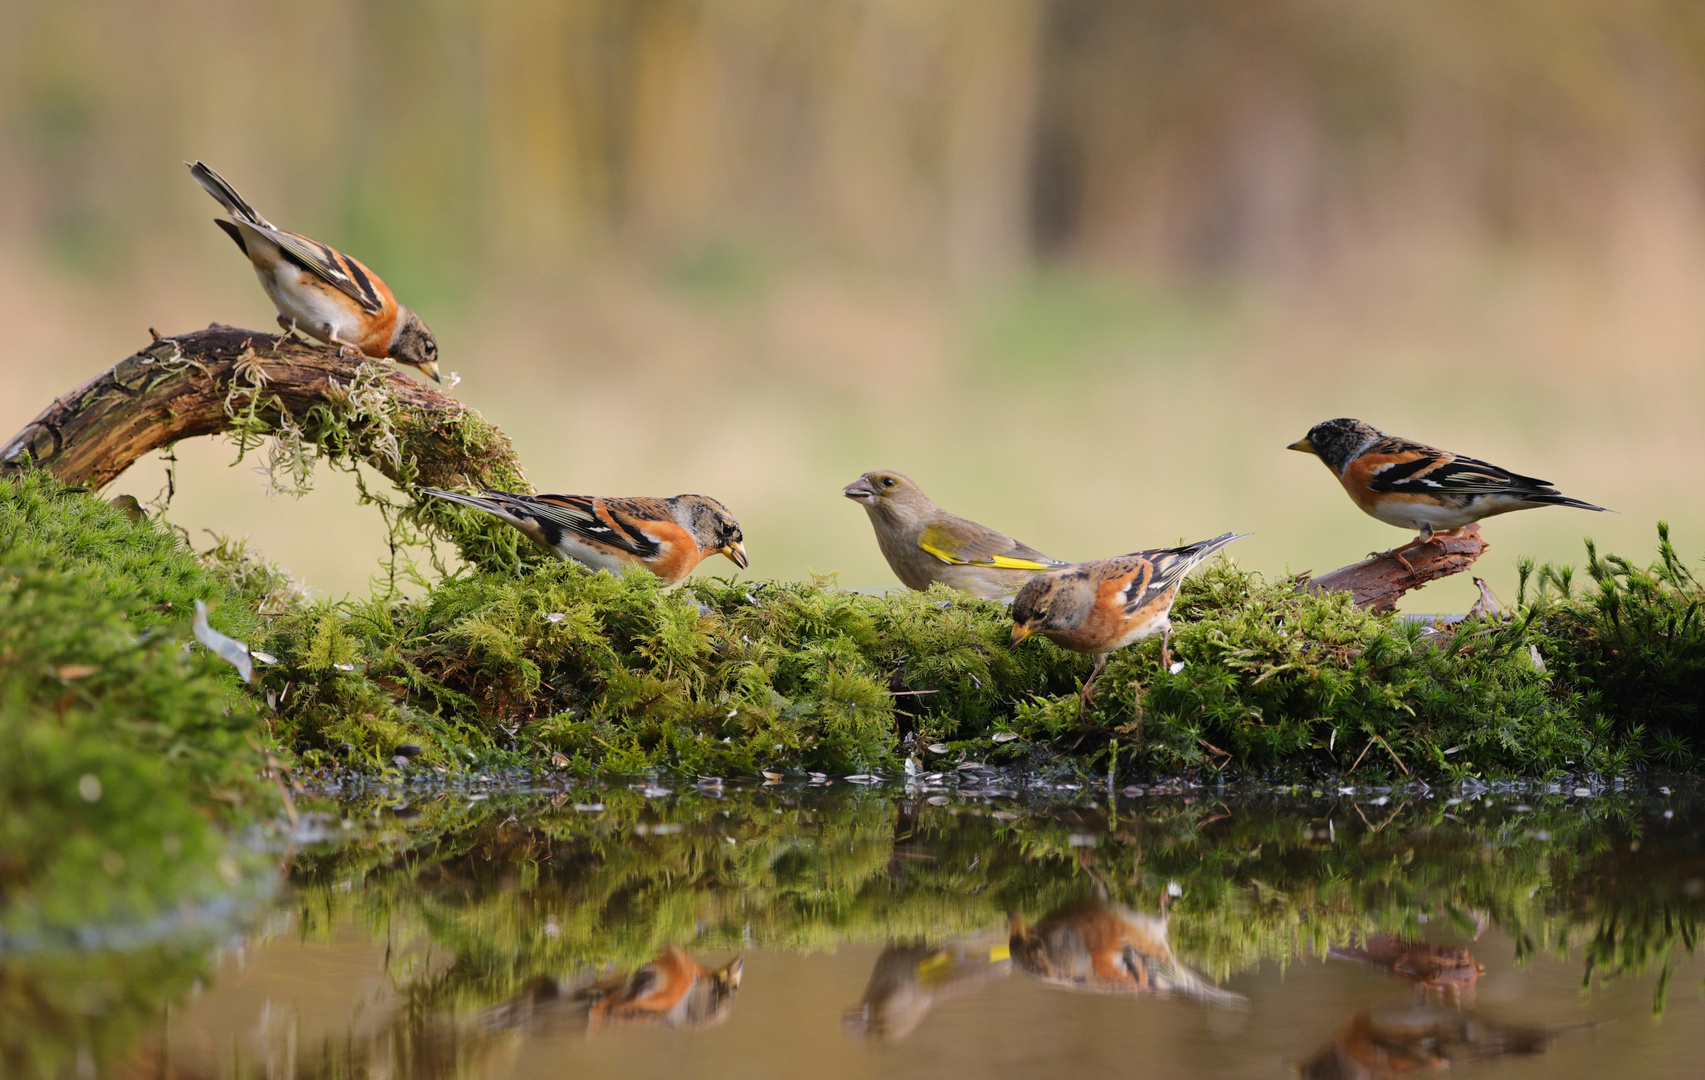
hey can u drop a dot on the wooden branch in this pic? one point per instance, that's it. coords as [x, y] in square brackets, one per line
[1379, 581]
[223, 379]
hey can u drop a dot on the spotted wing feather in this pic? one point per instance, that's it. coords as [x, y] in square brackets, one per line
[1157, 573]
[1398, 466]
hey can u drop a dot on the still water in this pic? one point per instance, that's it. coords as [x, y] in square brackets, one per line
[856, 933]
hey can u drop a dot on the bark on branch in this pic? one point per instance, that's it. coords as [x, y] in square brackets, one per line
[1377, 582]
[252, 385]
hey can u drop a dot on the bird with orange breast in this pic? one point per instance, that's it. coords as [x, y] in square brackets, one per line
[1415, 486]
[672, 990]
[1102, 606]
[669, 536]
[1444, 971]
[1420, 1040]
[319, 290]
[1097, 947]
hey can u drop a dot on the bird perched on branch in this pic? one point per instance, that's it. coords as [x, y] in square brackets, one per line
[1102, 606]
[666, 536]
[320, 291]
[924, 543]
[1416, 486]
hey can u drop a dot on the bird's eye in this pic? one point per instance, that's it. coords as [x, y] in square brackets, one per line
[887, 481]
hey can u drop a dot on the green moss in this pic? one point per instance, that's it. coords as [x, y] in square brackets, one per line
[727, 678]
[118, 750]
[1633, 644]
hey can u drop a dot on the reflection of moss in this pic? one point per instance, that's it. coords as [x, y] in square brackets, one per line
[114, 744]
[70, 1014]
[555, 891]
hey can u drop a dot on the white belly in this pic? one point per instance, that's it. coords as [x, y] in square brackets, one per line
[1143, 630]
[597, 558]
[302, 298]
[1437, 518]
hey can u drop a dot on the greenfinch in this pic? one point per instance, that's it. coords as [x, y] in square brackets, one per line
[924, 543]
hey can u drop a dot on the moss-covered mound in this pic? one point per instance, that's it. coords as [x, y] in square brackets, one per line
[537, 663]
[725, 678]
[119, 748]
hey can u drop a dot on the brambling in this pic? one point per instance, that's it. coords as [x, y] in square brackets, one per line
[666, 536]
[1416, 486]
[909, 979]
[1102, 606]
[1442, 970]
[672, 990]
[320, 291]
[1097, 947]
[1420, 1040]
[924, 543]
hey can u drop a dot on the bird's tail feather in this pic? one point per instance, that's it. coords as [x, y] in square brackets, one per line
[1553, 499]
[1204, 549]
[218, 187]
[490, 506]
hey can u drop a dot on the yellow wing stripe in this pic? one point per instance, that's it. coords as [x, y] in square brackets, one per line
[999, 562]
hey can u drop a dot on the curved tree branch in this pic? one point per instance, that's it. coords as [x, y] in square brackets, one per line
[1377, 582]
[223, 380]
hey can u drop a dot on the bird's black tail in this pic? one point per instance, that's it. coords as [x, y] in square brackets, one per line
[216, 186]
[1554, 499]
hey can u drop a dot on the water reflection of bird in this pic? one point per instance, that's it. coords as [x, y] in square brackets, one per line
[672, 990]
[1419, 1040]
[1097, 947]
[908, 980]
[1443, 970]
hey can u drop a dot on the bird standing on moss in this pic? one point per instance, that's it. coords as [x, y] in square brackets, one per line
[319, 290]
[1102, 606]
[666, 536]
[1416, 486]
[924, 543]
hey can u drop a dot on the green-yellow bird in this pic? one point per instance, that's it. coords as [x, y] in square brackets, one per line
[924, 543]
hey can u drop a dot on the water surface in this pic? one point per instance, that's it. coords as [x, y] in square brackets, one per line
[853, 933]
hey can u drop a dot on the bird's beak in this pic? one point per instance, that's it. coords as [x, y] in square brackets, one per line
[860, 490]
[1020, 632]
[1303, 445]
[736, 552]
[431, 368]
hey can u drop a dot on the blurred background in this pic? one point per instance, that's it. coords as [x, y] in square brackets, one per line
[1081, 267]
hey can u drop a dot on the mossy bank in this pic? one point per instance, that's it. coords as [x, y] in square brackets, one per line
[545, 663]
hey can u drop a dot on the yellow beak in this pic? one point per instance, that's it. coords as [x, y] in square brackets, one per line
[1020, 632]
[736, 552]
[431, 368]
[1302, 444]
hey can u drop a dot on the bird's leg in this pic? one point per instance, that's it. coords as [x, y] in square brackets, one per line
[288, 326]
[1166, 648]
[345, 351]
[1087, 694]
